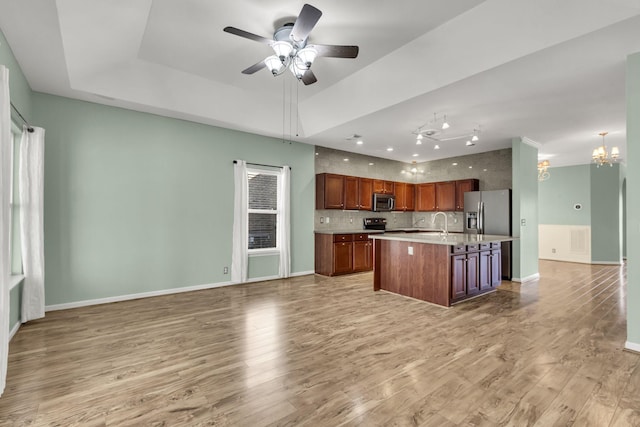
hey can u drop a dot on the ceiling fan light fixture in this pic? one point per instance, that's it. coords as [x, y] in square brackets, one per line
[307, 56]
[296, 71]
[436, 147]
[474, 138]
[274, 65]
[282, 50]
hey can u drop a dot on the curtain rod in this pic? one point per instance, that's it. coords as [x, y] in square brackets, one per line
[29, 127]
[260, 164]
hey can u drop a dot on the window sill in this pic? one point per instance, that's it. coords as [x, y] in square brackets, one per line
[14, 280]
[263, 252]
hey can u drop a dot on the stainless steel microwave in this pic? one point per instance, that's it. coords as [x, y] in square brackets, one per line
[383, 202]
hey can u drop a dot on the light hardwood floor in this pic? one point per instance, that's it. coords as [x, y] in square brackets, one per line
[319, 351]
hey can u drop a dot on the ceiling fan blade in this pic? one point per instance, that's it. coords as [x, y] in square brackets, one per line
[307, 19]
[247, 35]
[333, 51]
[255, 67]
[308, 78]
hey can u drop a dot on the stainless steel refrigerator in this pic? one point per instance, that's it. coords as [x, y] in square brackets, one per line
[489, 212]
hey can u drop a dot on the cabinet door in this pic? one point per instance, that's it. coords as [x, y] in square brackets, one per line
[384, 187]
[362, 256]
[472, 273]
[462, 187]
[484, 270]
[458, 276]
[365, 189]
[401, 201]
[351, 193]
[426, 197]
[496, 267]
[446, 196]
[329, 191]
[342, 257]
[410, 197]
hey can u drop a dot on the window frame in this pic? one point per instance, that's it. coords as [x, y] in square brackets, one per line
[277, 212]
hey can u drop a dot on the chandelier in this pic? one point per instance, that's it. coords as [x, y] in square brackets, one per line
[543, 174]
[601, 155]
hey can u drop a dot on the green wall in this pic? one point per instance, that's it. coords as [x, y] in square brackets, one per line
[524, 210]
[633, 200]
[606, 227]
[558, 194]
[138, 203]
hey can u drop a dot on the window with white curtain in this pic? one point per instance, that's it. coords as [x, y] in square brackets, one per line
[263, 212]
[15, 252]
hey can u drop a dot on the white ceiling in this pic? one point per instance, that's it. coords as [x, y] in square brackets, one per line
[552, 71]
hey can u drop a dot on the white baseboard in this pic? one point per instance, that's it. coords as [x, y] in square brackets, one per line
[632, 346]
[606, 262]
[14, 330]
[526, 279]
[85, 303]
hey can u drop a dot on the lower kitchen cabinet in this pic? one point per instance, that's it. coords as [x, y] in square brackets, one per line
[464, 275]
[346, 253]
[475, 269]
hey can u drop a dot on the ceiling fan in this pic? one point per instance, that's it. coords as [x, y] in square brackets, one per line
[291, 50]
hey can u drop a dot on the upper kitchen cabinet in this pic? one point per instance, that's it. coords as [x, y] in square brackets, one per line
[330, 191]
[446, 196]
[358, 193]
[462, 187]
[405, 196]
[426, 196]
[384, 187]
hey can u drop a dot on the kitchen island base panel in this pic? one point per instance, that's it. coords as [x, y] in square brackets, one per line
[397, 270]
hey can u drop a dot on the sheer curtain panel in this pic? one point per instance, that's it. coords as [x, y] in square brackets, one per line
[284, 225]
[31, 183]
[240, 252]
[5, 181]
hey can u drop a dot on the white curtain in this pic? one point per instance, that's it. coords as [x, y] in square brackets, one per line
[240, 254]
[31, 182]
[284, 223]
[5, 180]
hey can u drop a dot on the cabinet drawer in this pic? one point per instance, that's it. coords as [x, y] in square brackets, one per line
[343, 237]
[458, 249]
[360, 237]
[495, 245]
[472, 248]
[484, 246]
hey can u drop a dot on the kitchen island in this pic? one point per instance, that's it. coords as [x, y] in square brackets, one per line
[437, 268]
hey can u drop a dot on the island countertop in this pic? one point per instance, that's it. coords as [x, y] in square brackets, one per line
[436, 238]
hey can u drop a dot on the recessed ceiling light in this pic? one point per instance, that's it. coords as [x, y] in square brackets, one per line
[390, 149]
[484, 170]
[470, 167]
[418, 142]
[436, 147]
[454, 164]
[359, 142]
[346, 160]
[371, 164]
[316, 154]
[415, 155]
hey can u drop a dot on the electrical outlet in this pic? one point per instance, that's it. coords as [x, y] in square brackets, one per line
[350, 220]
[321, 220]
[326, 220]
[523, 222]
[553, 251]
[225, 270]
[410, 248]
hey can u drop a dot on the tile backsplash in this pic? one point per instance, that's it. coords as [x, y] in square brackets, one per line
[353, 220]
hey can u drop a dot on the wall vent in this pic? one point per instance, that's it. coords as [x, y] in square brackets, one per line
[579, 239]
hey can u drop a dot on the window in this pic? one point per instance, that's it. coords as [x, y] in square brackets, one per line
[263, 210]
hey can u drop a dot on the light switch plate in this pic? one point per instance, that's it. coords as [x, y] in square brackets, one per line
[410, 250]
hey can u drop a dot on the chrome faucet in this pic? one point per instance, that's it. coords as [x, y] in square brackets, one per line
[446, 224]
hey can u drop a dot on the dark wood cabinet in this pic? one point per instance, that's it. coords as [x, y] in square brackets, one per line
[384, 187]
[405, 196]
[351, 193]
[365, 188]
[362, 253]
[426, 197]
[490, 266]
[330, 191]
[337, 254]
[446, 196]
[473, 270]
[462, 187]
[357, 192]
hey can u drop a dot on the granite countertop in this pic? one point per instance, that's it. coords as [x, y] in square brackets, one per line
[437, 238]
[354, 231]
